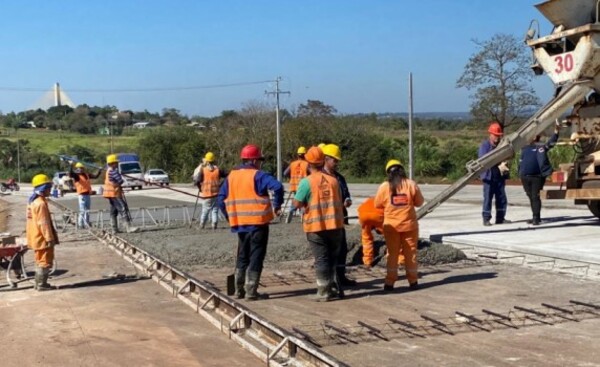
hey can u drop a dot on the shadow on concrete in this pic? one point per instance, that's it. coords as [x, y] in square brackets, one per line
[547, 223]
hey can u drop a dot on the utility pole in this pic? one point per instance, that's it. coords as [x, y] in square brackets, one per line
[18, 156]
[277, 125]
[411, 150]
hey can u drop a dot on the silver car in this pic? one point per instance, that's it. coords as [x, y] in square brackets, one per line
[157, 176]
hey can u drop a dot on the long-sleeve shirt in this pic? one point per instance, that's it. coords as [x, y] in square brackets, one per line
[75, 176]
[399, 209]
[534, 158]
[492, 174]
[263, 182]
[200, 177]
[39, 228]
[115, 176]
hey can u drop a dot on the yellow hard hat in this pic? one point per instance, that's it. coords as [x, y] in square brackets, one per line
[209, 157]
[40, 179]
[322, 145]
[79, 165]
[391, 163]
[112, 158]
[301, 150]
[333, 151]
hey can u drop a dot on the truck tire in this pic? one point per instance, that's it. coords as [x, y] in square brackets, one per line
[593, 205]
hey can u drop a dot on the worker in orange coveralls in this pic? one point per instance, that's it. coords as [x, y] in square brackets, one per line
[398, 196]
[41, 235]
[370, 219]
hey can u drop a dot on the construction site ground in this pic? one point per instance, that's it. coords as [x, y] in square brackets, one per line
[99, 319]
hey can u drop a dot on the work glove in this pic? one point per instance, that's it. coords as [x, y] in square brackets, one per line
[347, 203]
[504, 169]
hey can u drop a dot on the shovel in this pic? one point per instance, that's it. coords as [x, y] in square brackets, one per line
[230, 281]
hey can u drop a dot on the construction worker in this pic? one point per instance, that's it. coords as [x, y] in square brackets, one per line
[113, 191]
[83, 186]
[244, 200]
[323, 221]
[208, 182]
[333, 156]
[296, 171]
[371, 219]
[41, 235]
[534, 168]
[494, 179]
[398, 197]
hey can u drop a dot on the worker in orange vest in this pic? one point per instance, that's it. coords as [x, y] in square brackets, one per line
[83, 186]
[296, 171]
[371, 219]
[113, 191]
[41, 235]
[398, 197]
[244, 201]
[208, 180]
[323, 221]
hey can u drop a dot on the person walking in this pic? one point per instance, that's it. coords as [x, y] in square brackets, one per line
[113, 191]
[208, 181]
[323, 222]
[333, 156]
[494, 179]
[244, 201]
[371, 219]
[296, 171]
[398, 197]
[534, 168]
[40, 232]
[83, 185]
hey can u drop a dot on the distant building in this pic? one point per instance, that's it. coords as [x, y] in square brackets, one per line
[141, 125]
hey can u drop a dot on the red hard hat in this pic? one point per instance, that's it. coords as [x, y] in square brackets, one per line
[495, 129]
[251, 151]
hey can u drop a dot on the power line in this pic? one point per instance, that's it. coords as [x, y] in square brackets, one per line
[129, 90]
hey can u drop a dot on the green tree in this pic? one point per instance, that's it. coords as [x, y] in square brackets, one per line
[499, 74]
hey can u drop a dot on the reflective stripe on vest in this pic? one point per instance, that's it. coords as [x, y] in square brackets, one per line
[83, 185]
[325, 209]
[244, 206]
[111, 189]
[210, 182]
[298, 170]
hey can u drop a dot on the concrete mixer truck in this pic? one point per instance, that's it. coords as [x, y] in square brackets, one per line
[570, 56]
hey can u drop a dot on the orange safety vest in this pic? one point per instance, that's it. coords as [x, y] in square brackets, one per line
[325, 209]
[210, 182]
[370, 216]
[111, 189]
[83, 184]
[298, 169]
[39, 227]
[244, 206]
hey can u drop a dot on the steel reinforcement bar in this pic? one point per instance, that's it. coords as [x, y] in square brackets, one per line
[266, 340]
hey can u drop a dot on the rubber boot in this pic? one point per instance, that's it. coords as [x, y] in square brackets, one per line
[324, 291]
[114, 224]
[240, 280]
[129, 228]
[251, 286]
[37, 277]
[43, 285]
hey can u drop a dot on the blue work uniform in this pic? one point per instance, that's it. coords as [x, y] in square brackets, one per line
[494, 184]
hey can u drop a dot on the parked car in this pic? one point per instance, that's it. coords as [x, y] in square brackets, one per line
[63, 181]
[157, 176]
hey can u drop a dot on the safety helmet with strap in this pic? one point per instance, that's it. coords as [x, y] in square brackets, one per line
[392, 163]
[301, 150]
[209, 157]
[332, 150]
[112, 158]
[39, 180]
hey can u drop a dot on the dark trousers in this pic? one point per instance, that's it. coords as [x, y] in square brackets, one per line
[325, 247]
[342, 255]
[491, 190]
[532, 186]
[118, 206]
[252, 249]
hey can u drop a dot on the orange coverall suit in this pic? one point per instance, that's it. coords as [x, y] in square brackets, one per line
[370, 219]
[400, 227]
[40, 232]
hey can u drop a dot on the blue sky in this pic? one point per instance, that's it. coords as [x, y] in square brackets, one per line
[354, 55]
